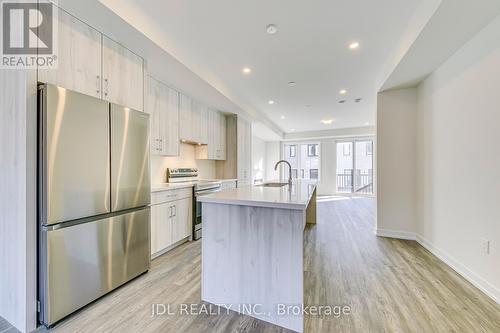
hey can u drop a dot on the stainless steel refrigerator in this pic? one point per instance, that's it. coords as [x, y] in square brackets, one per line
[93, 199]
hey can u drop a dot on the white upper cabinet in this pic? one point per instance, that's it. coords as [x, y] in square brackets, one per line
[90, 63]
[185, 114]
[193, 120]
[244, 151]
[202, 123]
[78, 57]
[122, 75]
[163, 105]
[216, 148]
[171, 146]
[222, 137]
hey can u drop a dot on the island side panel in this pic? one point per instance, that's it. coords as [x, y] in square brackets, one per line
[254, 255]
[311, 209]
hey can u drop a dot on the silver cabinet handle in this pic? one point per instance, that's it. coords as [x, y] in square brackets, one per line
[175, 210]
[98, 81]
[170, 215]
[106, 87]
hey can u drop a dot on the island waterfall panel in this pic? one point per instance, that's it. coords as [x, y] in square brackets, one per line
[252, 260]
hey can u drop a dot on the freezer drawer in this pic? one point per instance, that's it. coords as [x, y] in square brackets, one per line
[130, 175]
[85, 261]
[73, 155]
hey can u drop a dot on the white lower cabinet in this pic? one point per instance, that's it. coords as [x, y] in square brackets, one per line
[182, 219]
[171, 221]
[161, 227]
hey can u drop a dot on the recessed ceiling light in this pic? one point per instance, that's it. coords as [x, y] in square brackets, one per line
[343, 92]
[246, 70]
[271, 29]
[354, 45]
[271, 102]
[327, 121]
[282, 117]
[342, 101]
[367, 124]
[292, 83]
[292, 130]
[357, 100]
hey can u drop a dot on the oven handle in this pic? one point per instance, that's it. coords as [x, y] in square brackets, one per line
[208, 192]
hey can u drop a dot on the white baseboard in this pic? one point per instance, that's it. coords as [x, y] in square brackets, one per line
[483, 285]
[462, 270]
[395, 234]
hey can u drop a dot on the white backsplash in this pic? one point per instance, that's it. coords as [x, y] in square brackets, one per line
[186, 159]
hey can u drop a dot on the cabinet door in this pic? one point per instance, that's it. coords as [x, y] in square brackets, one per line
[123, 76]
[203, 123]
[222, 137]
[153, 107]
[161, 227]
[171, 133]
[182, 219]
[244, 137]
[185, 115]
[212, 141]
[78, 58]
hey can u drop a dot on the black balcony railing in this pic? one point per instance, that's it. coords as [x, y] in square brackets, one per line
[359, 183]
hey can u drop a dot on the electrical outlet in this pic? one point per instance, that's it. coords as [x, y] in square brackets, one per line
[486, 246]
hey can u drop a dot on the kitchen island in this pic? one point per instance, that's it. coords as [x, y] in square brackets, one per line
[252, 250]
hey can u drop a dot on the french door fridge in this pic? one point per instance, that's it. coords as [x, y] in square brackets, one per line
[93, 199]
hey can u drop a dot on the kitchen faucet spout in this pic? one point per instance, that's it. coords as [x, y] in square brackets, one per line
[289, 170]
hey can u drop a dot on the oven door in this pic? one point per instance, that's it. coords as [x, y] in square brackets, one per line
[198, 211]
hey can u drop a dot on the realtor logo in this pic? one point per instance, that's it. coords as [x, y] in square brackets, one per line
[28, 34]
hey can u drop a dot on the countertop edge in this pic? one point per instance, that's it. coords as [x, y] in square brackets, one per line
[249, 203]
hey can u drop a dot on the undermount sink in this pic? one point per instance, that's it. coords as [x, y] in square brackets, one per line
[273, 184]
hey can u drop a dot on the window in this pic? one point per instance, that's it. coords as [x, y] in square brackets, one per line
[355, 166]
[369, 148]
[346, 149]
[303, 157]
[312, 150]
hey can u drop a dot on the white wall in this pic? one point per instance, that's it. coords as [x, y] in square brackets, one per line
[449, 202]
[459, 159]
[396, 161]
[328, 176]
[273, 155]
[259, 154]
[186, 159]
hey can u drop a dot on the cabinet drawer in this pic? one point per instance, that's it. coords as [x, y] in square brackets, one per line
[171, 195]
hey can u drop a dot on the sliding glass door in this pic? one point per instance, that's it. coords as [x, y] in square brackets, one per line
[355, 166]
[304, 159]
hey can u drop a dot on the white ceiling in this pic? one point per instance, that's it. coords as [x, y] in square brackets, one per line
[217, 38]
[452, 25]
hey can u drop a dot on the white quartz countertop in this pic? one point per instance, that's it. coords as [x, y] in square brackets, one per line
[297, 197]
[172, 186]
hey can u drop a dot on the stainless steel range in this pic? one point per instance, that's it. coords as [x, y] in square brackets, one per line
[201, 187]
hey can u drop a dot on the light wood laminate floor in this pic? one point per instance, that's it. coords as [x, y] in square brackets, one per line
[390, 286]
